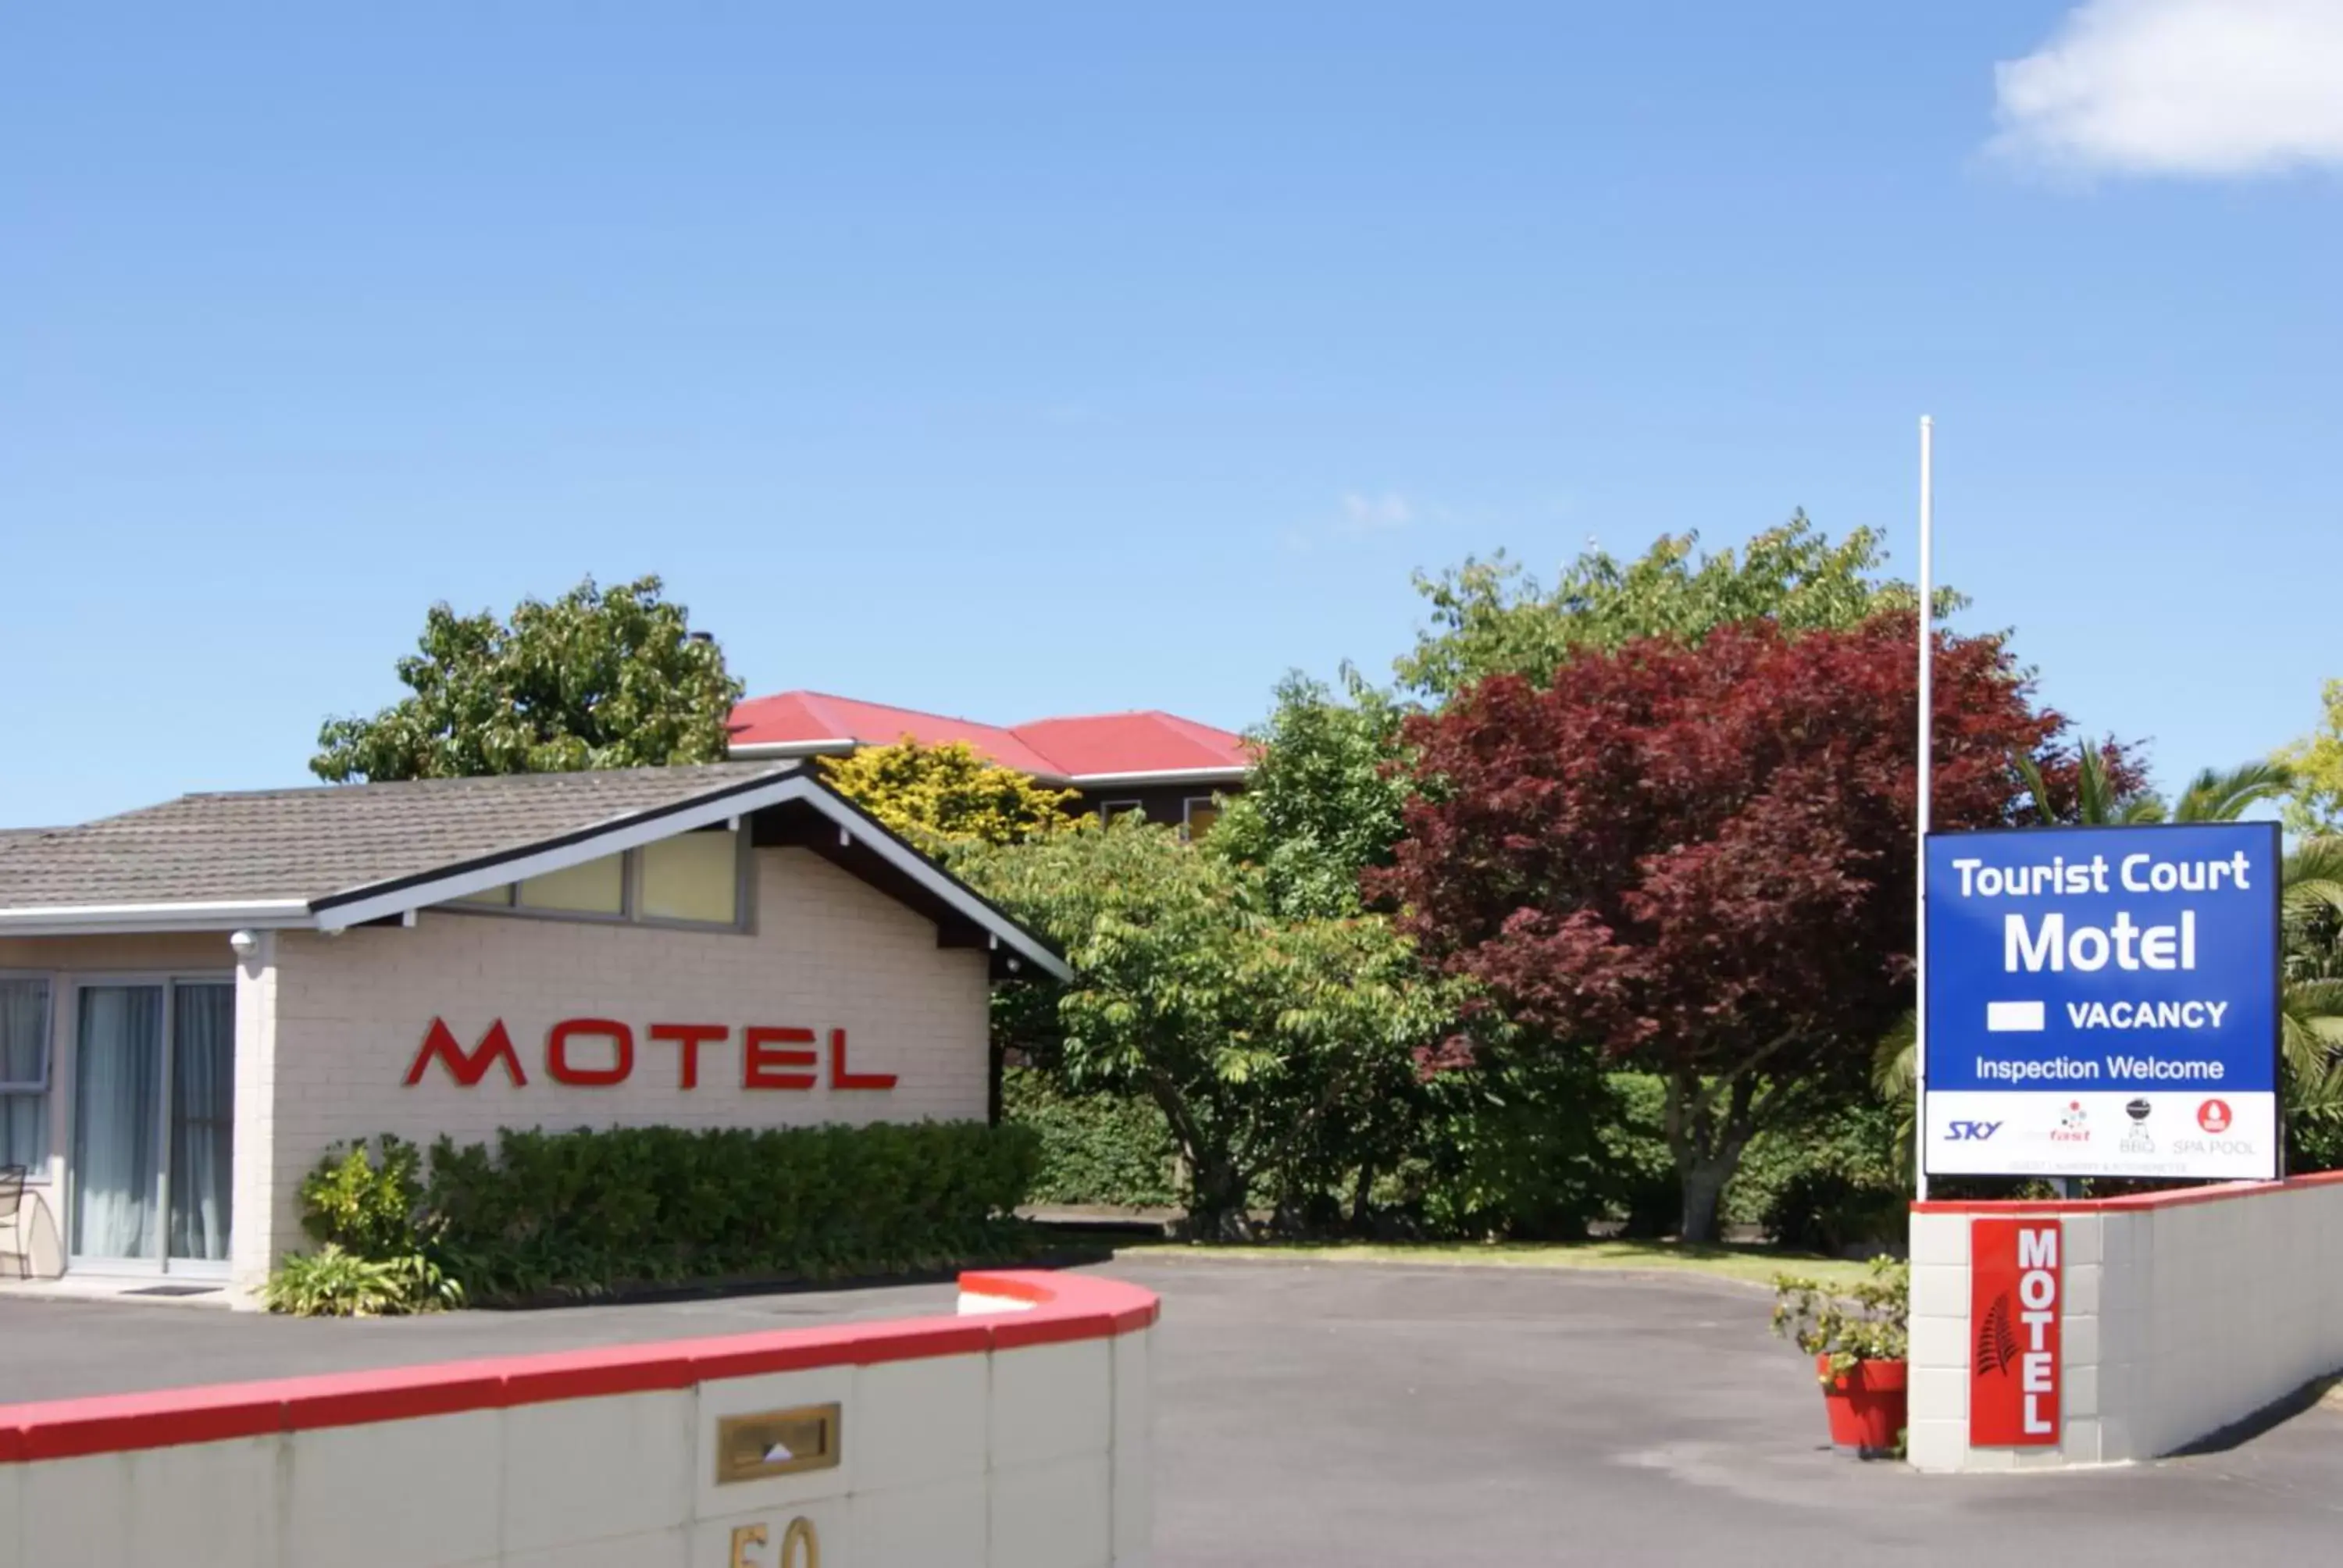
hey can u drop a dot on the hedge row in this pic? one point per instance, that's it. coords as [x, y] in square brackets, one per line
[585, 1211]
[1105, 1149]
[1538, 1166]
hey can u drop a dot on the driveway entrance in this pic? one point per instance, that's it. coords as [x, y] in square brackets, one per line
[1359, 1416]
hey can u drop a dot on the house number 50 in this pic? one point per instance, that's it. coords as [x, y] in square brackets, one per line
[800, 1547]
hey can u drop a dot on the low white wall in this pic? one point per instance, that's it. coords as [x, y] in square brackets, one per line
[1016, 1437]
[2182, 1313]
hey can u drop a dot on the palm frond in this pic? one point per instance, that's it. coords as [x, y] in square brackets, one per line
[2310, 1033]
[1895, 1077]
[2096, 802]
[2214, 796]
[2101, 806]
[2319, 1099]
[2314, 1002]
[1895, 1060]
[2312, 879]
[2093, 802]
[2029, 773]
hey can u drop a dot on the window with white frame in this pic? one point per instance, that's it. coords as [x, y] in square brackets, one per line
[1198, 814]
[24, 1072]
[694, 879]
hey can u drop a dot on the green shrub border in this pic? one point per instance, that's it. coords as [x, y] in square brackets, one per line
[587, 1213]
[1111, 1150]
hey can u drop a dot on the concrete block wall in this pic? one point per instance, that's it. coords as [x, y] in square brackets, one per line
[1016, 1436]
[2183, 1313]
[347, 1014]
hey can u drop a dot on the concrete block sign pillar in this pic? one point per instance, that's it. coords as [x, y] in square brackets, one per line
[2108, 1330]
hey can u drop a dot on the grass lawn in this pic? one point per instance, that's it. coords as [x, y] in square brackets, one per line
[1757, 1265]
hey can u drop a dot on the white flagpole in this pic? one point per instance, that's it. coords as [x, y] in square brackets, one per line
[1920, 838]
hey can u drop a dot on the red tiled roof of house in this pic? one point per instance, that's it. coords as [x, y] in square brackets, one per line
[1097, 745]
[1149, 742]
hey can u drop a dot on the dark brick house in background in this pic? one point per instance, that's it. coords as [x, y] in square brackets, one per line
[1159, 763]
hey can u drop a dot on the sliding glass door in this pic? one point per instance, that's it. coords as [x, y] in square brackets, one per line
[153, 1123]
[202, 1136]
[117, 1150]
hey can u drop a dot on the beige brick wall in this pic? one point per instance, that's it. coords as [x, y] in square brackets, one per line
[350, 1012]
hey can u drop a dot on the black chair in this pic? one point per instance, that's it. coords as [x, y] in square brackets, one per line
[12, 1214]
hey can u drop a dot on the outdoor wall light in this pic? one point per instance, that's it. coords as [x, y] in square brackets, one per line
[242, 942]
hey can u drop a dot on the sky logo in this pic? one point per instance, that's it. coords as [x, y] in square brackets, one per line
[1970, 1131]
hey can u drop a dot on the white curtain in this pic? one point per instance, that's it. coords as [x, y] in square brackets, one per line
[202, 1118]
[23, 1059]
[117, 1120]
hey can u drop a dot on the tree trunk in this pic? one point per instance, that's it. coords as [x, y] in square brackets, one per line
[1216, 1206]
[1703, 1191]
[1707, 1147]
[1362, 1200]
[1213, 1187]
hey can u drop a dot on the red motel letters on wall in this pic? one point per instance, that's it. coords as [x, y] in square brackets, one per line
[2017, 1298]
[600, 1053]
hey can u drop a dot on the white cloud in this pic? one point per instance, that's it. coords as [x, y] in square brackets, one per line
[2202, 87]
[1364, 514]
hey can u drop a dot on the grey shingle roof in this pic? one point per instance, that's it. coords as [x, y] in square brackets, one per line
[270, 844]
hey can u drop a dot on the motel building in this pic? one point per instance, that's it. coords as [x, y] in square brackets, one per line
[200, 999]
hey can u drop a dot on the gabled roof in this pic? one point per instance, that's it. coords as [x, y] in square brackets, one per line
[336, 856]
[1112, 744]
[1097, 749]
[817, 717]
[252, 846]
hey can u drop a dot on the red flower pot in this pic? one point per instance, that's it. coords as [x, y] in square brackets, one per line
[1866, 1404]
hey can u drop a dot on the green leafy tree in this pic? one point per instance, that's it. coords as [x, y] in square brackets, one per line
[597, 678]
[936, 794]
[1249, 1030]
[1324, 800]
[2315, 804]
[1490, 618]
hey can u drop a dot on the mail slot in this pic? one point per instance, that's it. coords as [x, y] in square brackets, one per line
[776, 1442]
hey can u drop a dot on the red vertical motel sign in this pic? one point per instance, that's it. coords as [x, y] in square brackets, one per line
[2017, 1300]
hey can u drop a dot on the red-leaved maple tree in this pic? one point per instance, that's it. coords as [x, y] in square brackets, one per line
[1700, 858]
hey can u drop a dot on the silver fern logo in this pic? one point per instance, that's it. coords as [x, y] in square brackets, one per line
[1996, 1337]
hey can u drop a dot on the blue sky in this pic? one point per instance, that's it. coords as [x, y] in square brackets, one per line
[1059, 359]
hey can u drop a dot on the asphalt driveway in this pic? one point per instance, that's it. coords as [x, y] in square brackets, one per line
[1362, 1415]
